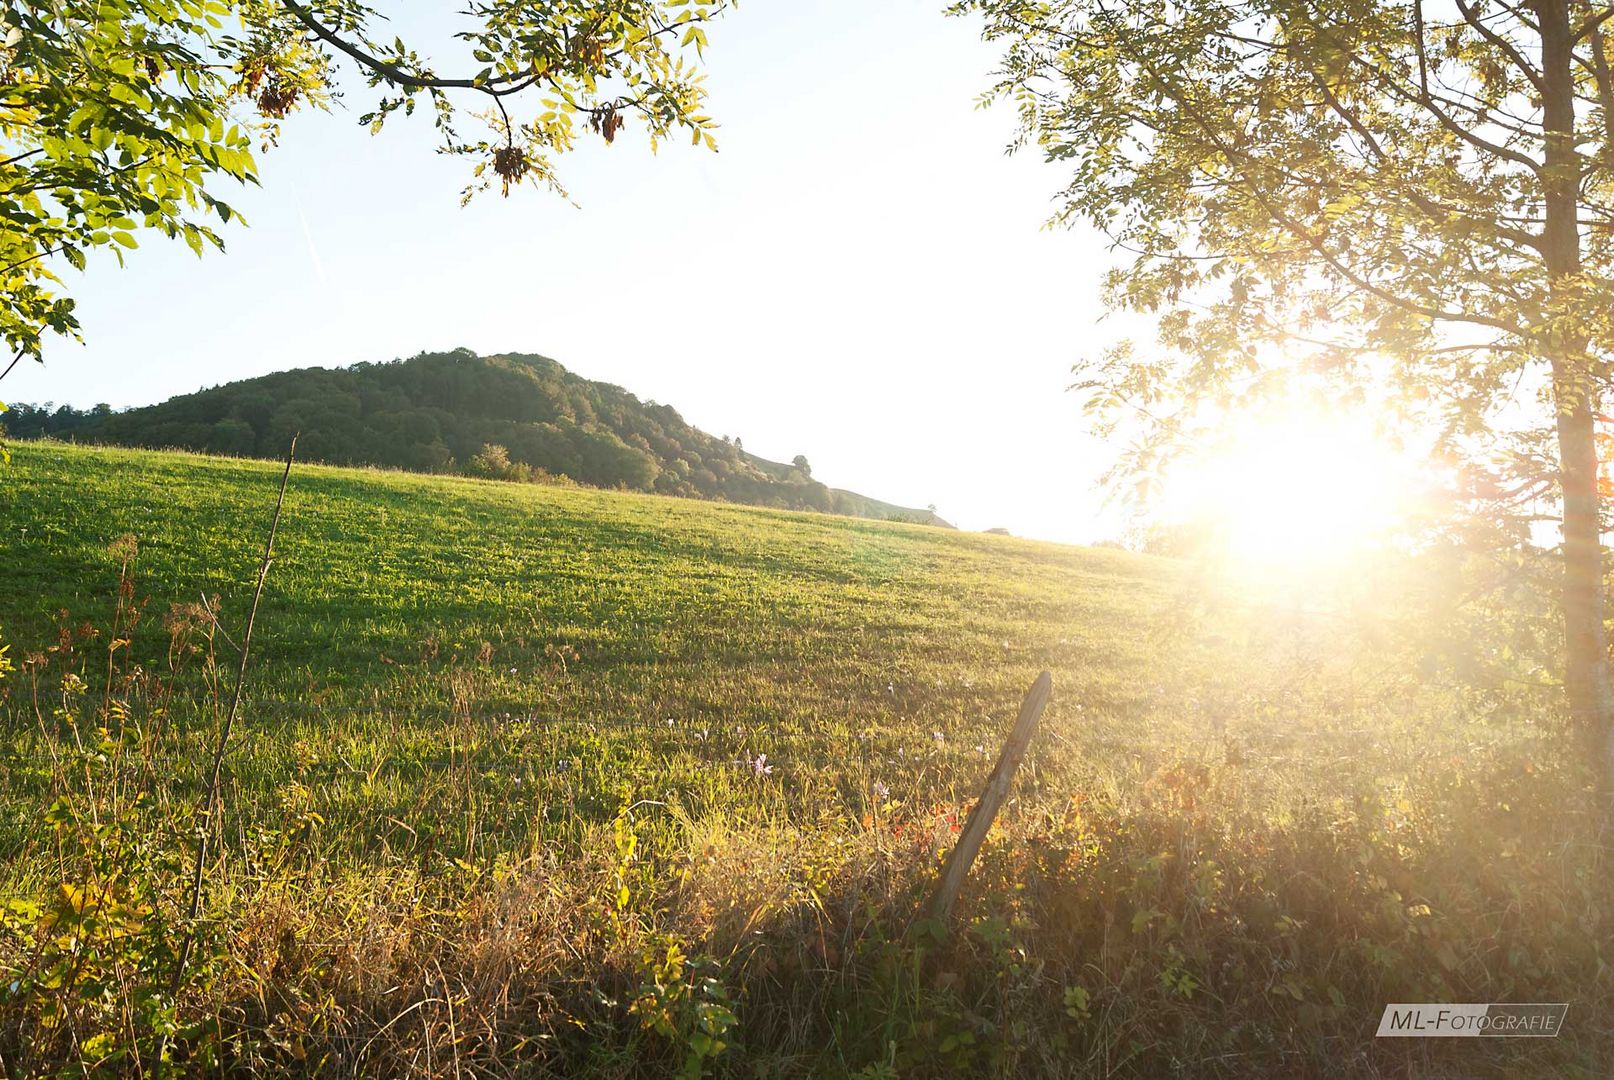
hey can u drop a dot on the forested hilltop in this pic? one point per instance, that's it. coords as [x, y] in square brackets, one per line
[514, 417]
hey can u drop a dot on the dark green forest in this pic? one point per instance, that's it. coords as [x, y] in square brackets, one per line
[511, 417]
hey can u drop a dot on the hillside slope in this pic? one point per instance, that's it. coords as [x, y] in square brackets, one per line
[523, 770]
[375, 563]
[571, 622]
[437, 412]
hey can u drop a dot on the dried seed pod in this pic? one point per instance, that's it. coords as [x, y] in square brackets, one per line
[511, 164]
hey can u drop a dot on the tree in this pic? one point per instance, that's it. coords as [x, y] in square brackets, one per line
[800, 462]
[118, 115]
[1359, 191]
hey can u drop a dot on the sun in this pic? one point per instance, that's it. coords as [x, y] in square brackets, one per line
[1306, 488]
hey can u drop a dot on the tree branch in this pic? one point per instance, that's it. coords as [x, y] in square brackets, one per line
[398, 76]
[1506, 47]
[1296, 229]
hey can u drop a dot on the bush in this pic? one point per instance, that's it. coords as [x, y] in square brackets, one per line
[493, 462]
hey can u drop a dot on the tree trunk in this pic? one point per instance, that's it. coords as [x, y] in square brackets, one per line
[1586, 677]
[1591, 696]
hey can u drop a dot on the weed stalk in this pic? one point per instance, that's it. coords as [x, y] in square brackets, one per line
[210, 796]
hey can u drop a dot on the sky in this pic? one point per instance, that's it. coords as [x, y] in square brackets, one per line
[860, 274]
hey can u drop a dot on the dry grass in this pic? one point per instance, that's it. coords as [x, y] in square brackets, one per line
[1238, 836]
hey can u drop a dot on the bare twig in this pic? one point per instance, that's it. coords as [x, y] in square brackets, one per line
[13, 363]
[210, 797]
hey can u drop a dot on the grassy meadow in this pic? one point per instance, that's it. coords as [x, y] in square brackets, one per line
[543, 781]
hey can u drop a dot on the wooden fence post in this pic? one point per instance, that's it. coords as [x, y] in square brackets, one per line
[986, 809]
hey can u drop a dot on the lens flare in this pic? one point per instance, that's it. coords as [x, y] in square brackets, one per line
[1303, 490]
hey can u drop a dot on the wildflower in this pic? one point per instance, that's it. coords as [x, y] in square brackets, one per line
[669, 723]
[938, 737]
[760, 767]
[512, 671]
[562, 765]
[881, 792]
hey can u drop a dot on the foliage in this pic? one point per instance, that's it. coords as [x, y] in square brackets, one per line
[493, 461]
[96, 982]
[1314, 190]
[1365, 203]
[679, 1003]
[462, 829]
[435, 411]
[112, 121]
[126, 114]
[96, 970]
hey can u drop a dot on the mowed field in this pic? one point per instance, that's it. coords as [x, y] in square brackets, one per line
[536, 779]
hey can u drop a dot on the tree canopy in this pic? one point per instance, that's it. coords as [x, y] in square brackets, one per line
[118, 116]
[1412, 198]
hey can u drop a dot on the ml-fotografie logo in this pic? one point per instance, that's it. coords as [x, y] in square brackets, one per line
[1497, 1020]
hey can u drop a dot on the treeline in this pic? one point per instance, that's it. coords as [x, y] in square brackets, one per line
[517, 417]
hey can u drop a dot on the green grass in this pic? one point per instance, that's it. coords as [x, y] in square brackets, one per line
[778, 633]
[1240, 832]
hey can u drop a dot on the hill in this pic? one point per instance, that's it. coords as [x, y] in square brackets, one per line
[550, 781]
[505, 417]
